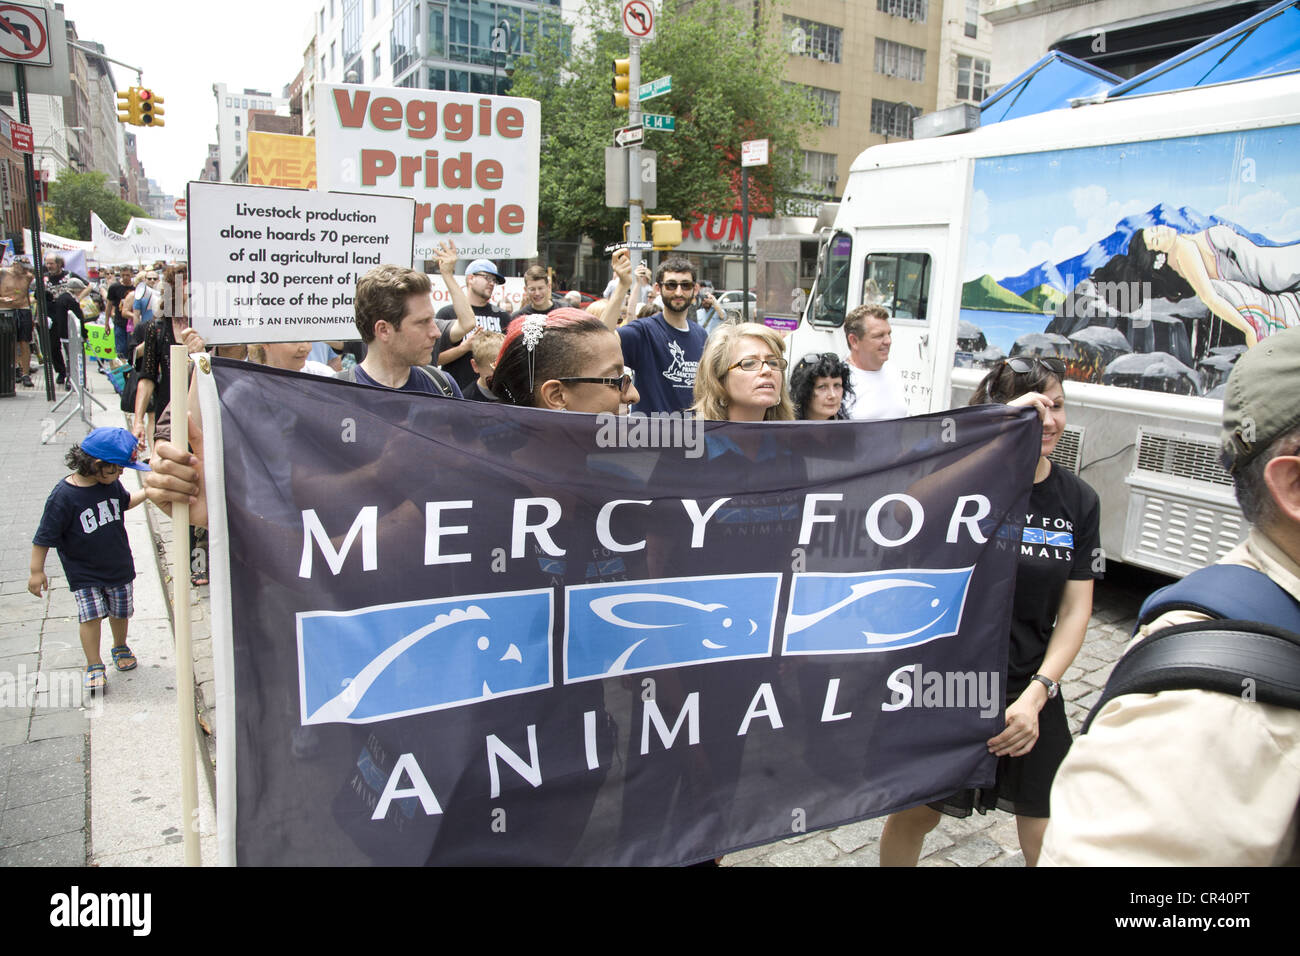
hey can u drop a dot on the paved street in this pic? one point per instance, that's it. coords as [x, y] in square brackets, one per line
[98, 783]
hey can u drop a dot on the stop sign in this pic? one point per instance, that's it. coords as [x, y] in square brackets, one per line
[179, 206]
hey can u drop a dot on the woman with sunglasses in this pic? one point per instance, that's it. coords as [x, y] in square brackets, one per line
[1057, 563]
[565, 360]
[741, 376]
[819, 385]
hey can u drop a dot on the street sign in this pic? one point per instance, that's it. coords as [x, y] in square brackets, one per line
[25, 34]
[20, 137]
[665, 124]
[179, 206]
[616, 178]
[753, 152]
[638, 20]
[648, 91]
[629, 136]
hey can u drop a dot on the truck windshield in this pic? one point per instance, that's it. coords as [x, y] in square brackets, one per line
[832, 292]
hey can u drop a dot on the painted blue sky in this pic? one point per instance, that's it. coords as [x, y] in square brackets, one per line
[1039, 207]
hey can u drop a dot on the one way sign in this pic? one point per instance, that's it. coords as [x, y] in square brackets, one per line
[629, 136]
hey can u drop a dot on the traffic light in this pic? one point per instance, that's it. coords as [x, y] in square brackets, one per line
[125, 106]
[621, 83]
[665, 232]
[151, 110]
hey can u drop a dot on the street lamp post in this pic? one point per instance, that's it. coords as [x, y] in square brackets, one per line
[41, 166]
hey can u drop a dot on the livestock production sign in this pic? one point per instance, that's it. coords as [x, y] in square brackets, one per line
[470, 162]
[281, 265]
[470, 633]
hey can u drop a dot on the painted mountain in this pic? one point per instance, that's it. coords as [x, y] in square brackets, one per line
[1045, 286]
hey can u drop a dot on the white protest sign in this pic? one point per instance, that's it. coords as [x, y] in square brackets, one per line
[269, 264]
[470, 162]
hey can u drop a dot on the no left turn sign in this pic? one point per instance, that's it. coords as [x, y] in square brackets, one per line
[638, 20]
[25, 35]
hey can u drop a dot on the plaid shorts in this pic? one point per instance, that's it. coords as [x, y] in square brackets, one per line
[94, 603]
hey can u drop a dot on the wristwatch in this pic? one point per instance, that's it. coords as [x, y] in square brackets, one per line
[1053, 687]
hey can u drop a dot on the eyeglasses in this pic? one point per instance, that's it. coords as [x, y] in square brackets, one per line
[1021, 366]
[622, 383]
[812, 358]
[751, 364]
[670, 286]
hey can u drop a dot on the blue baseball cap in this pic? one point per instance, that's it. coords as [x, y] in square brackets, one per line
[486, 267]
[117, 446]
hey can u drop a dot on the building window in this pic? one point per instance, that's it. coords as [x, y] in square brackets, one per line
[376, 64]
[236, 136]
[334, 52]
[228, 106]
[972, 79]
[351, 29]
[374, 9]
[239, 151]
[828, 101]
[972, 17]
[322, 66]
[402, 39]
[892, 119]
[437, 79]
[816, 40]
[437, 32]
[896, 59]
[236, 119]
[914, 10]
[820, 172]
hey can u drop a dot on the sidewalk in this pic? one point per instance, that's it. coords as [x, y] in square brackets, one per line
[53, 742]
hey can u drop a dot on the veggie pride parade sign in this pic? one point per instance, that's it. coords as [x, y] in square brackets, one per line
[471, 162]
[467, 633]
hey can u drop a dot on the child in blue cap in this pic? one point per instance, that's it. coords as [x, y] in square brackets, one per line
[83, 521]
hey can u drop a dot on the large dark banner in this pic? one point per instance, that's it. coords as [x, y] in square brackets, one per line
[460, 633]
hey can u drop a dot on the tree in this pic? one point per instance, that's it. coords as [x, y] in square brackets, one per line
[74, 196]
[726, 88]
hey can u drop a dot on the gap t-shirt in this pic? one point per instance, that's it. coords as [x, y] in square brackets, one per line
[86, 526]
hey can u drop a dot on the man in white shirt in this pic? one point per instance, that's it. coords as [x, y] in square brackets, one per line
[877, 393]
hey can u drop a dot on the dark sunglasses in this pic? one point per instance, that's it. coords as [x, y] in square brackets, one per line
[812, 358]
[1021, 366]
[674, 286]
[622, 383]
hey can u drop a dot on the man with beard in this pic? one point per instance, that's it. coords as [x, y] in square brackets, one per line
[663, 350]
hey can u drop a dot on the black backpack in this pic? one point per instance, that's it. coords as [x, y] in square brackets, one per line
[1251, 644]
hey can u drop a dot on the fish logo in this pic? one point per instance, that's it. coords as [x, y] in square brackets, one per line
[635, 626]
[877, 611]
[388, 661]
[1060, 539]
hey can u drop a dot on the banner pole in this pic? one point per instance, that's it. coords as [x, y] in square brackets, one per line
[180, 362]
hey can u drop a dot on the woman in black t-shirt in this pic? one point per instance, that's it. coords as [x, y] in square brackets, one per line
[1058, 561]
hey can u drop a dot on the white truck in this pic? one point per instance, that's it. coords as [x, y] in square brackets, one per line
[1029, 237]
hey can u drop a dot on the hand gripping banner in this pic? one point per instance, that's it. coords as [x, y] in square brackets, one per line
[463, 633]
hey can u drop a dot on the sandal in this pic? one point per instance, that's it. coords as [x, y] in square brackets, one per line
[123, 659]
[94, 680]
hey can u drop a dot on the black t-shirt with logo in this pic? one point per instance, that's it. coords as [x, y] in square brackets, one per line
[557, 302]
[86, 526]
[487, 316]
[1060, 542]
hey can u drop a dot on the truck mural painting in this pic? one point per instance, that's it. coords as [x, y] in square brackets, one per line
[1161, 264]
[1147, 240]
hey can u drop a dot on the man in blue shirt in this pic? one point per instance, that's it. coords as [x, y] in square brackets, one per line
[663, 349]
[394, 313]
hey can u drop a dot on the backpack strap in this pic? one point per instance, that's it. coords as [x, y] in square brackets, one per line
[439, 379]
[1230, 657]
[1229, 591]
